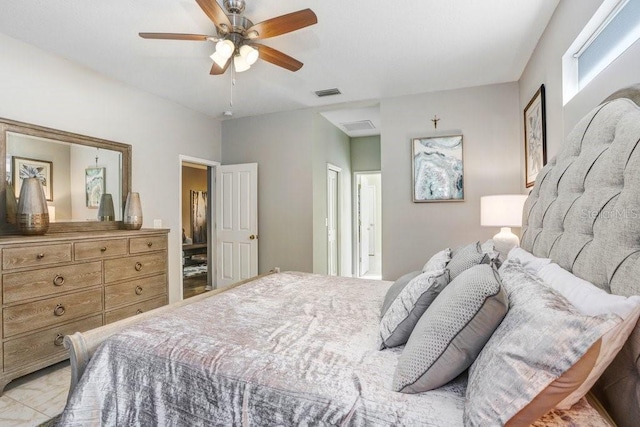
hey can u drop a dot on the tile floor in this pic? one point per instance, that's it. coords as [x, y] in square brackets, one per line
[35, 398]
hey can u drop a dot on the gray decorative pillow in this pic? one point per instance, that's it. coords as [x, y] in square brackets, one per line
[438, 261]
[452, 331]
[466, 258]
[405, 311]
[396, 288]
[540, 340]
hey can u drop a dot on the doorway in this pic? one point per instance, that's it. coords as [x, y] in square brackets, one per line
[333, 222]
[368, 224]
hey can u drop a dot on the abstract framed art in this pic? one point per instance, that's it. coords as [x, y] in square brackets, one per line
[437, 169]
[94, 186]
[535, 137]
[31, 168]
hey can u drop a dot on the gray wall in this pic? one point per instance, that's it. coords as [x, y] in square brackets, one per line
[365, 154]
[282, 146]
[489, 118]
[545, 67]
[331, 145]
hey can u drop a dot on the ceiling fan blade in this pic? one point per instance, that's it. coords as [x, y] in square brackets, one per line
[278, 58]
[213, 10]
[216, 70]
[175, 36]
[282, 24]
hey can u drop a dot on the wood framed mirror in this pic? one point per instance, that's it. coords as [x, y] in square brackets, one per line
[75, 169]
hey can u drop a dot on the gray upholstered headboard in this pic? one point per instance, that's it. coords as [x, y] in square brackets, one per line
[584, 214]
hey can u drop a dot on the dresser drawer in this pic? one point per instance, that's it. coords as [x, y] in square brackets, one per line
[132, 310]
[43, 345]
[35, 256]
[49, 281]
[138, 245]
[51, 311]
[100, 249]
[135, 291]
[134, 266]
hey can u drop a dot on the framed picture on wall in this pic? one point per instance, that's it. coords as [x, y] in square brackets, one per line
[94, 186]
[29, 168]
[535, 137]
[437, 169]
[199, 216]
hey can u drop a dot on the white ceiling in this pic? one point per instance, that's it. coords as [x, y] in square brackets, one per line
[369, 49]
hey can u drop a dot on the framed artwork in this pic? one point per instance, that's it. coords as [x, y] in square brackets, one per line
[23, 168]
[199, 216]
[535, 137]
[437, 169]
[94, 186]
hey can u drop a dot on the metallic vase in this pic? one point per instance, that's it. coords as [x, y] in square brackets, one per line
[132, 212]
[106, 212]
[32, 216]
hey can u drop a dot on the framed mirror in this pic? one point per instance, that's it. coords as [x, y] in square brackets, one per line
[75, 171]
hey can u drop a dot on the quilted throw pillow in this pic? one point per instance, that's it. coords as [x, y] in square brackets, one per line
[438, 261]
[452, 331]
[395, 289]
[542, 351]
[465, 258]
[405, 310]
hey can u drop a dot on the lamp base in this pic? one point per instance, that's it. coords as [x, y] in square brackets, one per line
[504, 241]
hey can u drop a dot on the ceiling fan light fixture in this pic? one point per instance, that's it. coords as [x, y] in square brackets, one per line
[225, 48]
[240, 64]
[249, 54]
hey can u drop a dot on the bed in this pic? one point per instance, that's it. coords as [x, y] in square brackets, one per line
[302, 349]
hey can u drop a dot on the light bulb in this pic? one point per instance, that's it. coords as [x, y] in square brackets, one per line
[240, 64]
[219, 59]
[249, 54]
[225, 48]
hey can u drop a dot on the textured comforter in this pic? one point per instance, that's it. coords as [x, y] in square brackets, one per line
[287, 349]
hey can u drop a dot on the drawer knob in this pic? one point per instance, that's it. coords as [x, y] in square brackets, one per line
[40, 256]
[138, 290]
[138, 266]
[58, 280]
[59, 340]
[103, 249]
[149, 244]
[139, 311]
[59, 310]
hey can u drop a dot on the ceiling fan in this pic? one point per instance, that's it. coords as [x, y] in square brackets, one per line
[236, 35]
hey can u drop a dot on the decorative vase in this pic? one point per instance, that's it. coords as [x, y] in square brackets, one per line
[106, 212]
[132, 212]
[11, 204]
[32, 216]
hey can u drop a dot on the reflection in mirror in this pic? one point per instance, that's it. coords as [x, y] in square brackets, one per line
[74, 176]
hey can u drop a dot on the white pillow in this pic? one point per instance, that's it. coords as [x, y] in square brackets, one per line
[593, 301]
[438, 262]
[530, 262]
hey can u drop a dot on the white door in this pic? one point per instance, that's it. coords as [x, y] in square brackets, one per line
[364, 207]
[237, 222]
[332, 222]
[372, 219]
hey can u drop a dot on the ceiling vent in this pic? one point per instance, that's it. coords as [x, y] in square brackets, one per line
[358, 126]
[328, 92]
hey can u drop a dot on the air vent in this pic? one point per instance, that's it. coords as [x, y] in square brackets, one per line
[328, 92]
[358, 126]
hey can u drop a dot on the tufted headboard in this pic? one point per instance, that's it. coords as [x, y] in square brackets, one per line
[584, 214]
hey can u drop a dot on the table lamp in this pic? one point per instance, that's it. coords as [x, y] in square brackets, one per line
[504, 211]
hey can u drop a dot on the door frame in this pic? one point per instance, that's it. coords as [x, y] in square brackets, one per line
[211, 220]
[338, 171]
[356, 217]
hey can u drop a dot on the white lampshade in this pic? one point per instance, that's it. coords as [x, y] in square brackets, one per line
[249, 54]
[225, 48]
[504, 210]
[219, 59]
[240, 64]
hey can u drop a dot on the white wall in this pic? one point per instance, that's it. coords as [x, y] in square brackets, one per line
[365, 153]
[37, 87]
[488, 117]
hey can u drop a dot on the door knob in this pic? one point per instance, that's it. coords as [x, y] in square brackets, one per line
[253, 237]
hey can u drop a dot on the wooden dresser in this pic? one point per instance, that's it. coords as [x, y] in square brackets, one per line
[58, 284]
